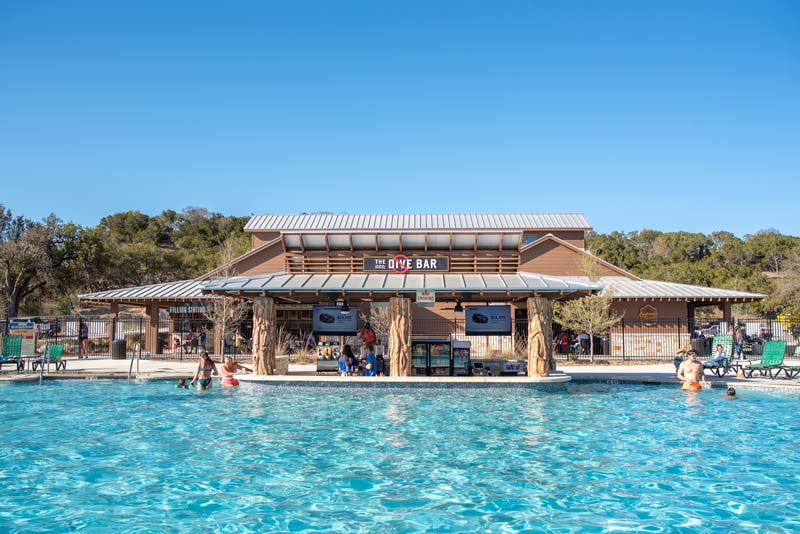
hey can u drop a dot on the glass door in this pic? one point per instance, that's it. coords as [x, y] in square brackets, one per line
[439, 359]
[419, 358]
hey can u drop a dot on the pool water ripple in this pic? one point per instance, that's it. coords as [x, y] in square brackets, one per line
[97, 456]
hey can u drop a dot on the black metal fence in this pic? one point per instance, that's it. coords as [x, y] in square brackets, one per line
[183, 338]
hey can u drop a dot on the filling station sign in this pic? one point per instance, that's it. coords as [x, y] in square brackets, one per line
[401, 264]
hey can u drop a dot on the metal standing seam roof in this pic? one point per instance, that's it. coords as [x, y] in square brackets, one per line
[376, 222]
[180, 290]
[621, 287]
[524, 282]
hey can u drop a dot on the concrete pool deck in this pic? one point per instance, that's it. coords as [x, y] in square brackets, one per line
[663, 373]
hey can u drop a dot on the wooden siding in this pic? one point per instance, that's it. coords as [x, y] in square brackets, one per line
[260, 238]
[352, 262]
[269, 260]
[557, 260]
[575, 238]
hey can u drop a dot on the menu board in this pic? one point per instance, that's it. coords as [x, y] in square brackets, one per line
[333, 321]
[488, 320]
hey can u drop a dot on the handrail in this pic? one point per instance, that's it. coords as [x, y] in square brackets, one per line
[45, 354]
[133, 357]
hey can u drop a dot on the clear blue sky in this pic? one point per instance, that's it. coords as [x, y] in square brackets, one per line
[666, 115]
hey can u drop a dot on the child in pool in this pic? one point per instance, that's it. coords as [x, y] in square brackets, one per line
[182, 384]
[229, 368]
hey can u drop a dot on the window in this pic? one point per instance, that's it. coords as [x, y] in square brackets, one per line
[528, 238]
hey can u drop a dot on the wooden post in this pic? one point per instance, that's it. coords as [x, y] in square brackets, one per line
[726, 313]
[219, 341]
[151, 336]
[540, 336]
[400, 336]
[264, 335]
[112, 324]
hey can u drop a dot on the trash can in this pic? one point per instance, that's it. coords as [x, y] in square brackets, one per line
[118, 349]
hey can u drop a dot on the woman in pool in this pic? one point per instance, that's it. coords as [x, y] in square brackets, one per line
[206, 367]
[229, 368]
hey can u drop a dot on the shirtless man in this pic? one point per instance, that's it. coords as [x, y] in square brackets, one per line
[691, 373]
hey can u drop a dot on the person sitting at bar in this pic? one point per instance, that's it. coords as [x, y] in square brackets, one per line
[347, 361]
[370, 368]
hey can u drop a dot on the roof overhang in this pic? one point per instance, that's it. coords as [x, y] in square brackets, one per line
[448, 286]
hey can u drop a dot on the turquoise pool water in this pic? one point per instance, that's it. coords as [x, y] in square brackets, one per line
[103, 456]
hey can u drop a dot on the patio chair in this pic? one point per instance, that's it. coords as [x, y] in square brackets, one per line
[771, 360]
[791, 371]
[721, 368]
[12, 352]
[54, 353]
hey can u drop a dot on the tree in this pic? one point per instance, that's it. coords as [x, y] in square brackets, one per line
[591, 315]
[34, 256]
[226, 312]
[378, 319]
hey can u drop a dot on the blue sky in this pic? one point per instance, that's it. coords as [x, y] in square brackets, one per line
[670, 115]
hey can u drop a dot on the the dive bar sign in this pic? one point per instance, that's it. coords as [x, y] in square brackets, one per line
[401, 264]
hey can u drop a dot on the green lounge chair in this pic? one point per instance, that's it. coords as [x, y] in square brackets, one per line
[771, 360]
[53, 355]
[721, 368]
[791, 371]
[12, 352]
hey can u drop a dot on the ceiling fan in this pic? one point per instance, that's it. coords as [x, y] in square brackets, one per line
[459, 307]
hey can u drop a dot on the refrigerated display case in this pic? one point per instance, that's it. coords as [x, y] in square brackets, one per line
[461, 358]
[431, 357]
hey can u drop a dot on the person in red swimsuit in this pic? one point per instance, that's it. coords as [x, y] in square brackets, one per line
[229, 368]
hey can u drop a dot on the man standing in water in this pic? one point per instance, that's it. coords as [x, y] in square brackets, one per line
[691, 373]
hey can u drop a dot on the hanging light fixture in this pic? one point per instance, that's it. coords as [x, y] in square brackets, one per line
[458, 307]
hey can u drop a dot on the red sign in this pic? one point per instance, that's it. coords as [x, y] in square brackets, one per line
[400, 264]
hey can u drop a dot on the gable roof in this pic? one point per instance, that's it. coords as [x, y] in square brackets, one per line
[550, 237]
[238, 259]
[420, 222]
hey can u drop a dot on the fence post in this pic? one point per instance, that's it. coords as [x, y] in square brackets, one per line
[622, 323]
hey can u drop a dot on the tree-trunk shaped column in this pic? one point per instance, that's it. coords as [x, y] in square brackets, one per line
[400, 336]
[151, 330]
[540, 336]
[264, 335]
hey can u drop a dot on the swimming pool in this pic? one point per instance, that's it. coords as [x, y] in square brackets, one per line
[96, 456]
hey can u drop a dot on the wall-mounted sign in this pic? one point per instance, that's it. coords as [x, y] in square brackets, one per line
[333, 321]
[401, 264]
[487, 320]
[425, 297]
[648, 314]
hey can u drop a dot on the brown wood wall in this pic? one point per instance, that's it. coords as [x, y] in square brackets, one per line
[260, 238]
[555, 259]
[269, 260]
[352, 262]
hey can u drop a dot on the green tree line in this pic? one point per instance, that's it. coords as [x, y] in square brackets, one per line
[45, 264]
[764, 262]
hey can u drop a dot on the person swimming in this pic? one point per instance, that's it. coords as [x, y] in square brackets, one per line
[730, 393]
[229, 368]
[206, 367]
[182, 384]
